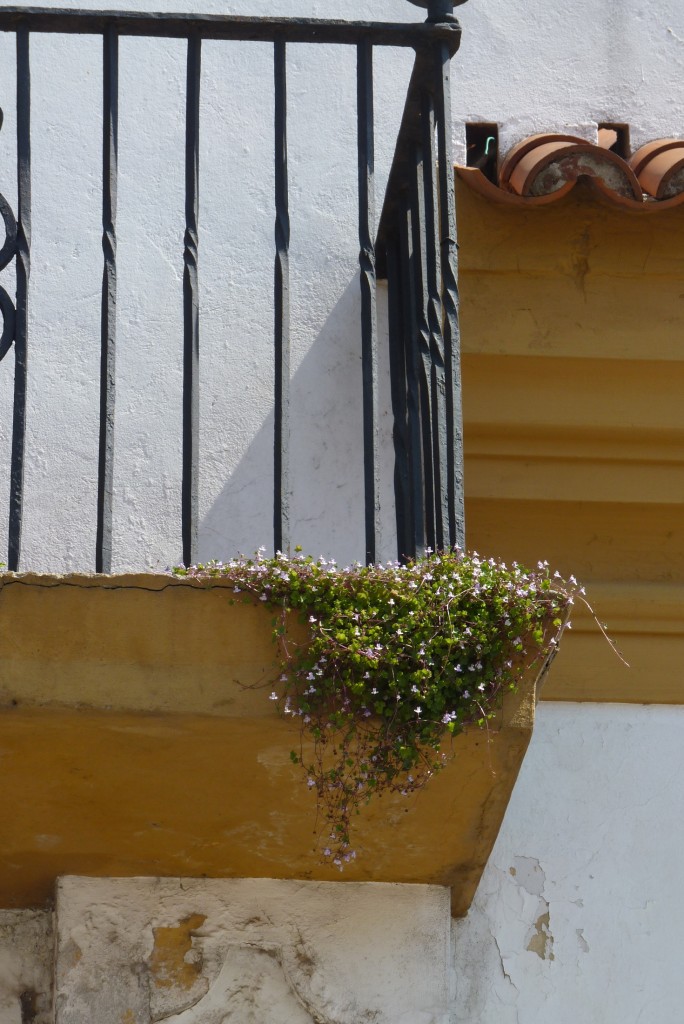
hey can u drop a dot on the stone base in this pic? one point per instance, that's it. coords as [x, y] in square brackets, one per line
[233, 951]
[26, 967]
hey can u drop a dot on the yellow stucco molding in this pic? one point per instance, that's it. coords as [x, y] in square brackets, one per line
[646, 620]
[576, 281]
[573, 375]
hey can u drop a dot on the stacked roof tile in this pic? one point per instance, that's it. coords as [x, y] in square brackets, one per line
[543, 168]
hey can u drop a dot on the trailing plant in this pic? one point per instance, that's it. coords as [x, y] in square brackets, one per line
[397, 658]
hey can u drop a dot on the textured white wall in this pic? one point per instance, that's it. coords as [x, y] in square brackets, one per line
[535, 65]
[528, 64]
[578, 914]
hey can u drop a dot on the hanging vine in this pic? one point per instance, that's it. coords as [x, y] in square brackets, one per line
[397, 659]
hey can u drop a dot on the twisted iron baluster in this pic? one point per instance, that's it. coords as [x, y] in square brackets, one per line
[7, 253]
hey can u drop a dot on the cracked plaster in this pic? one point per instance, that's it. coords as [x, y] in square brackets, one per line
[583, 882]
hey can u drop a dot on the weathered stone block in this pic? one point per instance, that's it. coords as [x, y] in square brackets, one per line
[250, 951]
[26, 951]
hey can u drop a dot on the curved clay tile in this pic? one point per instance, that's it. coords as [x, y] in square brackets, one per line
[543, 164]
[647, 152]
[659, 166]
[476, 180]
[521, 149]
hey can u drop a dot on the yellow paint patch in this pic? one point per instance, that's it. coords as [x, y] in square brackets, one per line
[168, 963]
[541, 942]
[128, 1017]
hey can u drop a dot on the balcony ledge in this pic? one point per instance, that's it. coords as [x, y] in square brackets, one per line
[136, 738]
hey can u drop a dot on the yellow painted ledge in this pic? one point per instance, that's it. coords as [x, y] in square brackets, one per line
[137, 738]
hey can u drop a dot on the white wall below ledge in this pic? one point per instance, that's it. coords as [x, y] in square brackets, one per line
[578, 914]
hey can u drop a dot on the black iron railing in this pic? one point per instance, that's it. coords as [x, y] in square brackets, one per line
[417, 254]
[415, 248]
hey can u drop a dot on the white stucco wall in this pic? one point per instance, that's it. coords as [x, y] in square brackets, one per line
[578, 914]
[527, 65]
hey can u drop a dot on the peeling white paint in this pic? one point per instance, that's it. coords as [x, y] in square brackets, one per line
[577, 914]
[528, 872]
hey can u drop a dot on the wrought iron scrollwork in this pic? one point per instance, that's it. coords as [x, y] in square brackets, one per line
[7, 253]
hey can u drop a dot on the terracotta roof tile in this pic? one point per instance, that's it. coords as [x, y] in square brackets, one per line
[545, 167]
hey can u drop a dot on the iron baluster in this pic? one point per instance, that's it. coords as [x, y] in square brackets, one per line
[190, 482]
[369, 330]
[23, 265]
[281, 454]
[7, 253]
[413, 372]
[421, 339]
[110, 143]
[400, 431]
[434, 319]
[450, 302]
